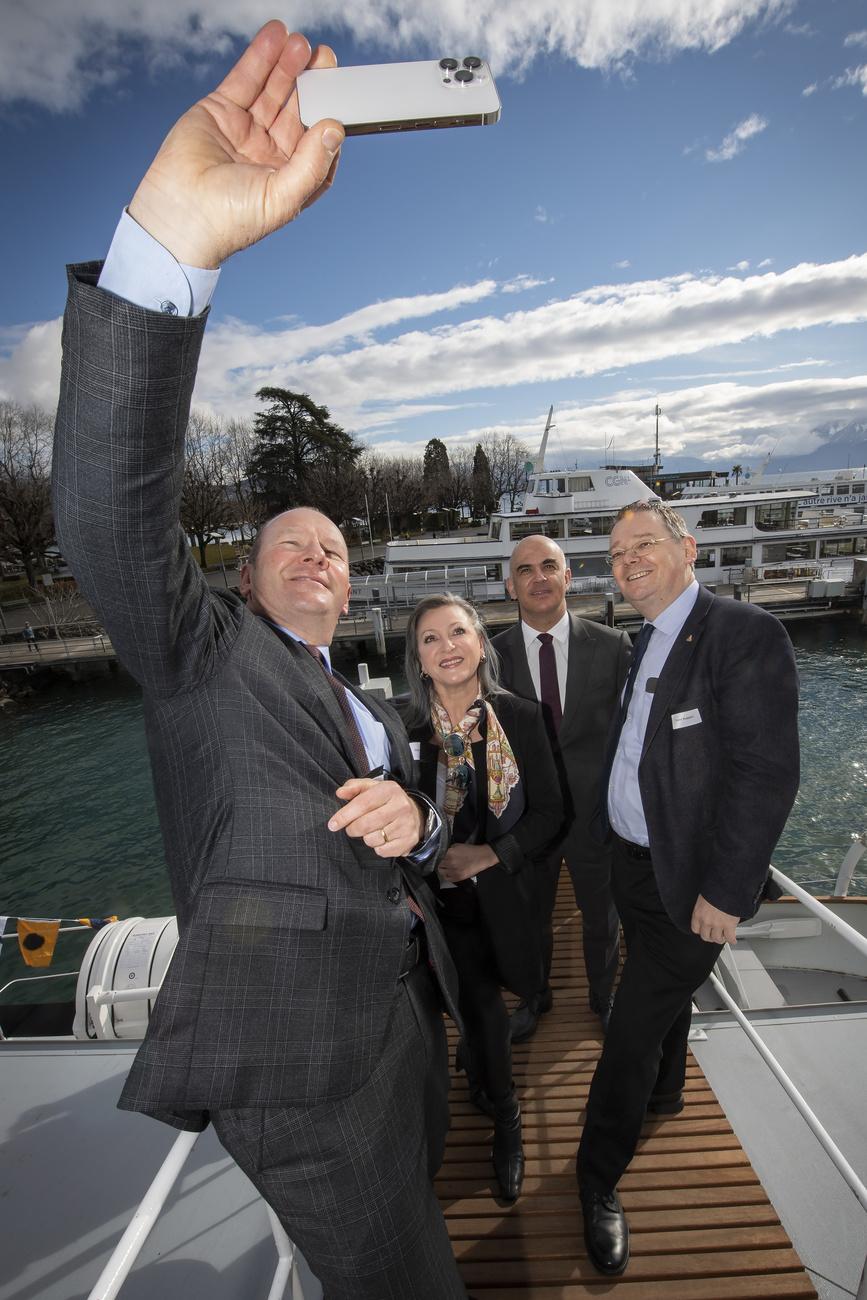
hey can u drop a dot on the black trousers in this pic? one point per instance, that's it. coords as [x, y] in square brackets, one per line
[480, 994]
[351, 1179]
[600, 925]
[645, 1046]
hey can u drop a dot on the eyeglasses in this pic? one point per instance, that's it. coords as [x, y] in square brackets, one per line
[638, 550]
[458, 773]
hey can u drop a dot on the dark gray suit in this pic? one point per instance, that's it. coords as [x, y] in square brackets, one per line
[598, 663]
[716, 794]
[281, 1016]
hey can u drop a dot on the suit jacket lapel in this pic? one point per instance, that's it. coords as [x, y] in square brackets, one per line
[401, 757]
[304, 663]
[676, 664]
[522, 682]
[581, 654]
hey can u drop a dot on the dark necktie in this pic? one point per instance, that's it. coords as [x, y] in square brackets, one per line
[638, 652]
[549, 686]
[353, 735]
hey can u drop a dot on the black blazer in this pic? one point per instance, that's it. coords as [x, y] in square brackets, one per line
[716, 793]
[507, 892]
[291, 938]
[598, 664]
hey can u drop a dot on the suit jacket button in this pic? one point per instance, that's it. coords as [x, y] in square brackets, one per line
[393, 894]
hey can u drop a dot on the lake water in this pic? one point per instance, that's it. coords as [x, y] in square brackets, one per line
[79, 833]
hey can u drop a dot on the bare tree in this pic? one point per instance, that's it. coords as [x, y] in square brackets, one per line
[247, 509]
[507, 459]
[204, 503]
[401, 480]
[26, 524]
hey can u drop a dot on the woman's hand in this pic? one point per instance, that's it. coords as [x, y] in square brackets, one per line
[465, 860]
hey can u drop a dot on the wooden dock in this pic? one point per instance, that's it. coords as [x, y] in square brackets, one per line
[702, 1227]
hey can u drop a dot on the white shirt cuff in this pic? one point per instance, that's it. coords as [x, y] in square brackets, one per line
[141, 270]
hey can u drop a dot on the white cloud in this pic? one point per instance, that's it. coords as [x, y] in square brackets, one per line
[541, 214]
[623, 265]
[852, 77]
[56, 54]
[856, 38]
[734, 142]
[810, 90]
[523, 282]
[364, 371]
[717, 422]
[739, 266]
[766, 261]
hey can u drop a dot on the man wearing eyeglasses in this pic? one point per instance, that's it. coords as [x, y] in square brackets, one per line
[702, 772]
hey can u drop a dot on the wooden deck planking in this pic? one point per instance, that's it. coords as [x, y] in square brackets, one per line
[701, 1225]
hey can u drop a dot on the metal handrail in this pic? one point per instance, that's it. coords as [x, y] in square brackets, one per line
[128, 1249]
[814, 1123]
[846, 931]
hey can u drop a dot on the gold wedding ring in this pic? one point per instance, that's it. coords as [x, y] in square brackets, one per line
[384, 836]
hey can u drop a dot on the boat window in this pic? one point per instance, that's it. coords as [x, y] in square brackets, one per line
[725, 517]
[538, 524]
[706, 557]
[736, 555]
[776, 552]
[857, 487]
[842, 546]
[495, 529]
[589, 525]
[776, 516]
[580, 483]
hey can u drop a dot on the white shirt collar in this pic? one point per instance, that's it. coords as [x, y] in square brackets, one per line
[673, 617]
[560, 632]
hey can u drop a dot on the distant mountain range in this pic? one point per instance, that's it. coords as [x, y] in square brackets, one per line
[842, 446]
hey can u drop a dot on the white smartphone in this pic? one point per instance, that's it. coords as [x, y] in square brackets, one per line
[380, 97]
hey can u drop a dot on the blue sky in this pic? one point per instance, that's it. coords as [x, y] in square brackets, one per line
[672, 209]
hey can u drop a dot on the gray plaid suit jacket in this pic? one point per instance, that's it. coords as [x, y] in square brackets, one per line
[291, 937]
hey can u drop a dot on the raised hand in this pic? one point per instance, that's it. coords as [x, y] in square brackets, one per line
[239, 164]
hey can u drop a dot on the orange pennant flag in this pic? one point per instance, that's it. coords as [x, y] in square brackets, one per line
[36, 940]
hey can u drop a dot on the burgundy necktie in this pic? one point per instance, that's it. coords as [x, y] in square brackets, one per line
[353, 735]
[549, 686]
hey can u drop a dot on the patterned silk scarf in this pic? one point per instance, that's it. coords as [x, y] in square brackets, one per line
[502, 770]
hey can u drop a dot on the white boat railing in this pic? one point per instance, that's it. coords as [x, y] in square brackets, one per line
[858, 941]
[128, 1249]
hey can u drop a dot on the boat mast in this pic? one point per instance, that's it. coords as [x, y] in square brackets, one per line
[539, 462]
[656, 463]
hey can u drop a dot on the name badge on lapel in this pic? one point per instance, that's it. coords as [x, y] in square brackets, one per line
[415, 749]
[688, 718]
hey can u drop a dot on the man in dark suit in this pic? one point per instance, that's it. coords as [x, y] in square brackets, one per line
[576, 668]
[299, 1014]
[702, 774]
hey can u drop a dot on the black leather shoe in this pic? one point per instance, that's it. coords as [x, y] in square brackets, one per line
[508, 1150]
[665, 1103]
[524, 1020]
[606, 1232]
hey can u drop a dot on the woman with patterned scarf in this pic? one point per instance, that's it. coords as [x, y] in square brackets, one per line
[485, 758]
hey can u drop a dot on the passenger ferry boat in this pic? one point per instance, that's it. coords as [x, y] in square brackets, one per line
[744, 534]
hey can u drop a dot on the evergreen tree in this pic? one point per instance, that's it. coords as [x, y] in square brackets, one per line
[484, 498]
[436, 474]
[293, 436]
